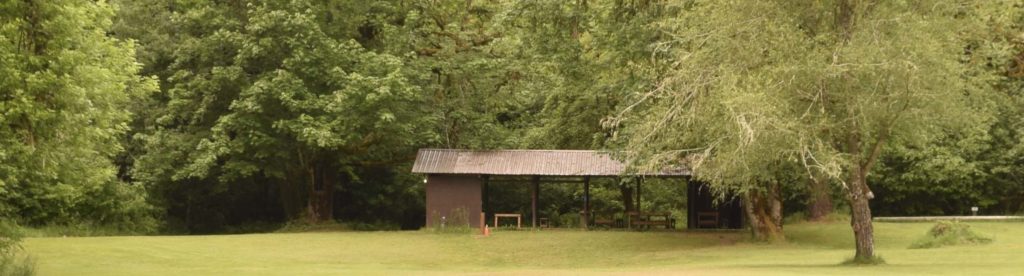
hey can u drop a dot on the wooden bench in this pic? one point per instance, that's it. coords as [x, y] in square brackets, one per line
[610, 223]
[652, 222]
[707, 219]
[646, 219]
[518, 217]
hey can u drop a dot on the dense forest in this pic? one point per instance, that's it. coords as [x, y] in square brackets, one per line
[203, 116]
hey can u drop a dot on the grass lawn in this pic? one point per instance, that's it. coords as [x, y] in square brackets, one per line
[812, 249]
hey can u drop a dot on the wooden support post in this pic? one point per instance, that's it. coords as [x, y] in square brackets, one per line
[627, 197]
[638, 181]
[486, 199]
[691, 204]
[533, 200]
[586, 202]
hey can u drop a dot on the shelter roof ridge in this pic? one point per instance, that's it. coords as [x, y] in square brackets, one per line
[526, 162]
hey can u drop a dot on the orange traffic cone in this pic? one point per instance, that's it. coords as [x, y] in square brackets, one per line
[487, 231]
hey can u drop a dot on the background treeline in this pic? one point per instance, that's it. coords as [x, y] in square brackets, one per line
[195, 116]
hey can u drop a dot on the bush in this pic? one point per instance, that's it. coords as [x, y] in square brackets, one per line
[948, 233]
[568, 220]
[10, 249]
[85, 229]
[374, 226]
[82, 229]
[109, 208]
[260, 227]
[331, 226]
[119, 206]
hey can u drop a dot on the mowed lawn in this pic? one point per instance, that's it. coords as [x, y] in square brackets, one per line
[812, 249]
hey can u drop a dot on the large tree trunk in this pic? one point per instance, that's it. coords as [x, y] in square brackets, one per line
[320, 204]
[307, 192]
[764, 213]
[863, 230]
[820, 204]
[627, 197]
[858, 193]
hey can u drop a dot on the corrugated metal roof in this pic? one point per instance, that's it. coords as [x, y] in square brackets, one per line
[524, 162]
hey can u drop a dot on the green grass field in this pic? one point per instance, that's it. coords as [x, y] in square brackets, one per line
[812, 249]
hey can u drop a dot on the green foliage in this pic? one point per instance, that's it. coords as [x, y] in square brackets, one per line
[746, 98]
[580, 60]
[770, 92]
[298, 227]
[979, 165]
[460, 56]
[10, 266]
[575, 62]
[268, 100]
[11, 260]
[85, 229]
[10, 237]
[63, 90]
[950, 233]
[259, 102]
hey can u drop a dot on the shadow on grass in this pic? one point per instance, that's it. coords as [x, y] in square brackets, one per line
[777, 266]
[624, 242]
[864, 261]
[815, 266]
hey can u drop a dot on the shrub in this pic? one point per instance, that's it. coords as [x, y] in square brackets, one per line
[794, 218]
[948, 233]
[110, 208]
[297, 226]
[456, 222]
[118, 207]
[10, 249]
[85, 228]
[373, 226]
[568, 220]
[303, 225]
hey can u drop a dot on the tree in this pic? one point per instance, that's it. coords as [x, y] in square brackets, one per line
[463, 62]
[826, 87]
[63, 92]
[264, 95]
[578, 60]
[977, 166]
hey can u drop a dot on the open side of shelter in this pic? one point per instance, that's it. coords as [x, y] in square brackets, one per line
[457, 185]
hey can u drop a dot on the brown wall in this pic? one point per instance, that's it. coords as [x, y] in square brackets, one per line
[448, 192]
